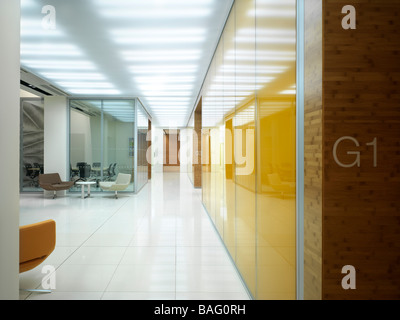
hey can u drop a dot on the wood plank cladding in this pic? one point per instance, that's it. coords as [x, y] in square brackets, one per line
[313, 151]
[149, 153]
[197, 145]
[361, 123]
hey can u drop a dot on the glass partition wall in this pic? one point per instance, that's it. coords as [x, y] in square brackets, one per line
[107, 138]
[31, 143]
[249, 144]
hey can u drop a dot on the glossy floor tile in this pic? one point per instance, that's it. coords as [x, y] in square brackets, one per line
[158, 244]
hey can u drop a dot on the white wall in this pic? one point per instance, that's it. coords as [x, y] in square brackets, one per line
[157, 149]
[185, 153]
[26, 94]
[56, 137]
[124, 131]
[9, 144]
[81, 138]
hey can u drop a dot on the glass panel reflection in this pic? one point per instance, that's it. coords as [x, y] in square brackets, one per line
[248, 144]
[276, 145]
[104, 143]
[32, 144]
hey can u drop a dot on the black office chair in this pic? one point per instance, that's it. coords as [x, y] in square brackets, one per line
[73, 172]
[84, 171]
[97, 172]
[32, 174]
[109, 172]
[113, 173]
[40, 166]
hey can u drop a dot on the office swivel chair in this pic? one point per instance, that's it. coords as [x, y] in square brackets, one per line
[84, 171]
[113, 173]
[73, 172]
[31, 173]
[110, 172]
[40, 166]
[96, 165]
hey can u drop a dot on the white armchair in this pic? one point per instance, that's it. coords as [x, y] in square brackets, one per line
[121, 183]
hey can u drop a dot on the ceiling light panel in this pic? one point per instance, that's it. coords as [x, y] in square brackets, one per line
[100, 92]
[164, 69]
[49, 49]
[73, 76]
[32, 29]
[88, 84]
[161, 55]
[59, 64]
[156, 50]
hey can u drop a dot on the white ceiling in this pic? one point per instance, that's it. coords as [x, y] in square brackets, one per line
[157, 50]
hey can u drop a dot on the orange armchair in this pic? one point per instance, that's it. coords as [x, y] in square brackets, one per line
[36, 242]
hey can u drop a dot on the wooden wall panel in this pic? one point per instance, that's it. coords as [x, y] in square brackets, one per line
[149, 153]
[361, 210]
[313, 151]
[197, 170]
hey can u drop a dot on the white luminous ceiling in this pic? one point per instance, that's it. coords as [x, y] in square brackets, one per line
[156, 50]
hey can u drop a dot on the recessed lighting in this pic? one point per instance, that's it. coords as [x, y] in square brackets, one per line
[73, 76]
[160, 39]
[172, 69]
[27, 4]
[59, 64]
[33, 28]
[154, 13]
[157, 32]
[162, 55]
[167, 104]
[168, 93]
[167, 99]
[159, 35]
[95, 91]
[167, 79]
[141, 3]
[162, 87]
[49, 49]
[88, 84]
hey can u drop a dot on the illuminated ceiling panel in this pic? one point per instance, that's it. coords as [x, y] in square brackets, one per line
[156, 50]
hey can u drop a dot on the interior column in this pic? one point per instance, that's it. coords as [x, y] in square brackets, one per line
[9, 144]
[56, 137]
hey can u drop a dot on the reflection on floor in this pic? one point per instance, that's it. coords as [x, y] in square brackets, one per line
[157, 245]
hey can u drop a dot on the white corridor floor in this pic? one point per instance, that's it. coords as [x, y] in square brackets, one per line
[156, 245]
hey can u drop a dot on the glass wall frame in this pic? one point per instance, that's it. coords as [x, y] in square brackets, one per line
[105, 139]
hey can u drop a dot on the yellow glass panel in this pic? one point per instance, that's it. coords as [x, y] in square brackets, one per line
[218, 140]
[248, 144]
[276, 150]
[244, 143]
[228, 77]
